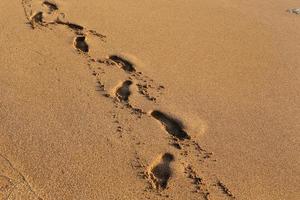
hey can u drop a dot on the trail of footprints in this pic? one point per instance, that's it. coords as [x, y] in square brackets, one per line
[159, 172]
[145, 86]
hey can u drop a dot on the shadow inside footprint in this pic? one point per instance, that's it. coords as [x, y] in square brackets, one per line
[123, 92]
[124, 64]
[172, 126]
[52, 6]
[81, 44]
[161, 172]
[73, 26]
[37, 18]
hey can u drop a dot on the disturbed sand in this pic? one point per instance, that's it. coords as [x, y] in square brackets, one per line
[139, 99]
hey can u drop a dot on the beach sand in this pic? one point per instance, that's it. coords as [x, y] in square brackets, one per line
[139, 99]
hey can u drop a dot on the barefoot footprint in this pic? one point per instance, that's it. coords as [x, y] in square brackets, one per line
[160, 172]
[36, 19]
[51, 6]
[172, 126]
[123, 63]
[123, 92]
[80, 44]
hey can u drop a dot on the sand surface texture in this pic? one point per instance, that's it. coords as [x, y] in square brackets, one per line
[140, 99]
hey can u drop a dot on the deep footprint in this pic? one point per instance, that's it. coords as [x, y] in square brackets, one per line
[123, 92]
[161, 172]
[73, 26]
[172, 126]
[51, 6]
[37, 18]
[81, 44]
[124, 64]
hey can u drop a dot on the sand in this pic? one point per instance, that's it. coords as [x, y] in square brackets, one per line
[139, 99]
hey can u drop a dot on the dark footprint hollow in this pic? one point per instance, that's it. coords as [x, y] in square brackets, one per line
[52, 6]
[172, 126]
[161, 172]
[81, 44]
[123, 92]
[37, 18]
[125, 64]
[73, 26]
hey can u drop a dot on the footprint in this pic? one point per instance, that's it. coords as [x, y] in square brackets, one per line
[36, 18]
[51, 6]
[124, 64]
[294, 10]
[73, 26]
[123, 92]
[160, 171]
[172, 126]
[81, 44]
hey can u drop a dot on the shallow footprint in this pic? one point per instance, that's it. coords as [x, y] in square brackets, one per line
[81, 44]
[123, 92]
[172, 126]
[124, 64]
[294, 10]
[160, 171]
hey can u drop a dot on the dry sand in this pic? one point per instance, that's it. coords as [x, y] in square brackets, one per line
[139, 99]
